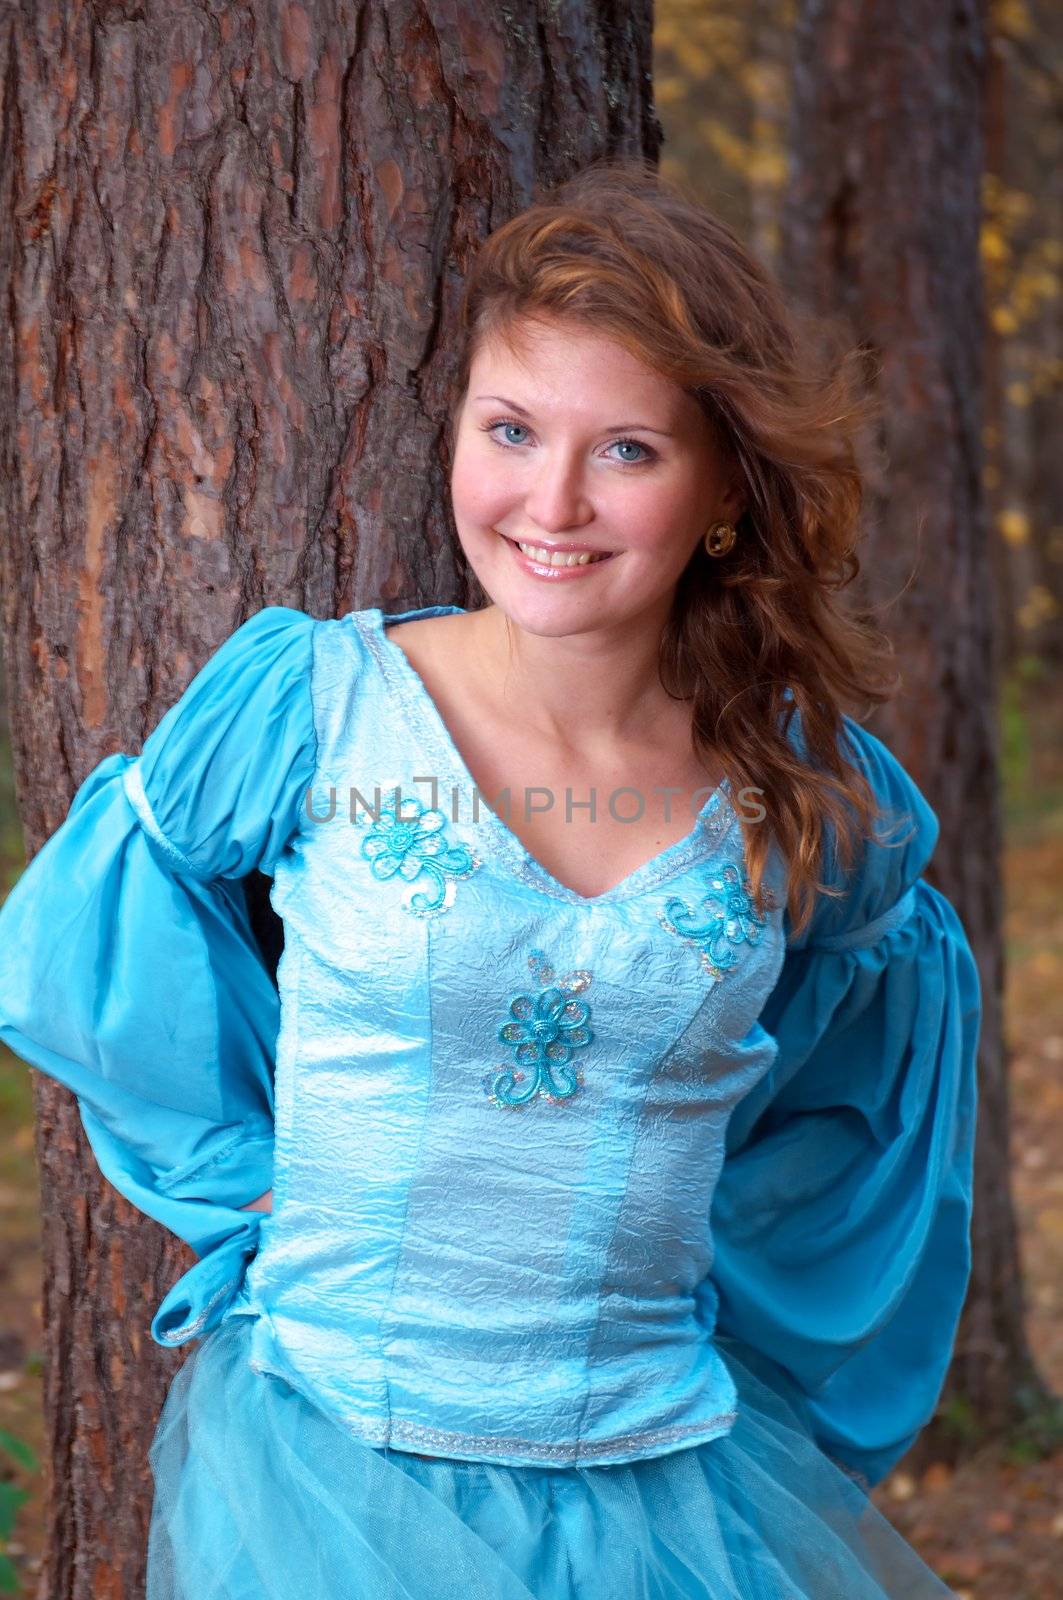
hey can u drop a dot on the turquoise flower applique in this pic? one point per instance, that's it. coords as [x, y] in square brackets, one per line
[725, 921]
[548, 1027]
[408, 839]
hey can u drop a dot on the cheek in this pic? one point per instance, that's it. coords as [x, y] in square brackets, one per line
[653, 519]
[477, 492]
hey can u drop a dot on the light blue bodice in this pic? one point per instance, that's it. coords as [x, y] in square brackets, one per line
[500, 1106]
[530, 1152]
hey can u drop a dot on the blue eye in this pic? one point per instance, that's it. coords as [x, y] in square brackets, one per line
[491, 428]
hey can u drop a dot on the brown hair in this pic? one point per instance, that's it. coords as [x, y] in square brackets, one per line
[618, 249]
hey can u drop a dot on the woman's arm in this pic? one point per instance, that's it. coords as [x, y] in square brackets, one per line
[841, 1219]
[263, 1203]
[131, 972]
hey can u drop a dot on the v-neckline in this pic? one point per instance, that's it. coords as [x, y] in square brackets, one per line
[711, 823]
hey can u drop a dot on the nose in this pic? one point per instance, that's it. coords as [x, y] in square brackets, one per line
[556, 500]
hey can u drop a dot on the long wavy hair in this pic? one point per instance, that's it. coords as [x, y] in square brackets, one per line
[758, 635]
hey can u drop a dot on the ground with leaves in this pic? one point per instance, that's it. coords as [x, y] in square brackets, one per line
[995, 1526]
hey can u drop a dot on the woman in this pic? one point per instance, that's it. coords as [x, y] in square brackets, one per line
[466, 1324]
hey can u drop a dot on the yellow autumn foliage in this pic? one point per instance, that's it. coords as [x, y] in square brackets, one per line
[1040, 606]
[1014, 524]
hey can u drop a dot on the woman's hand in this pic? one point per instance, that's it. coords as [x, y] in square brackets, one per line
[263, 1203]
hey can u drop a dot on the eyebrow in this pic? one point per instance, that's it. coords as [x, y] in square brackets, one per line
[610, 427]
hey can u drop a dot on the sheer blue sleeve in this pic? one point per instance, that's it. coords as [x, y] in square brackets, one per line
[130, 970]
[842, 1217]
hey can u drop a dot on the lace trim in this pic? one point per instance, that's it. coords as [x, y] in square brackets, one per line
[188, 1330]
[133, 784]
[195, 1169]
[493, 1445]
[487, 1446]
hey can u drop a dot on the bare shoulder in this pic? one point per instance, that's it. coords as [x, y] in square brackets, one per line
[431, 641]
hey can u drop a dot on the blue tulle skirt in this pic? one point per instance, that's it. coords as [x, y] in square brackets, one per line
[259, 1495]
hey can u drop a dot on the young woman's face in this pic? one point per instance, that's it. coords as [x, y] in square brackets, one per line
[573, 442]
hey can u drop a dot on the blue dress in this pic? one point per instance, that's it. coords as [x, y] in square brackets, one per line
[618, 1243]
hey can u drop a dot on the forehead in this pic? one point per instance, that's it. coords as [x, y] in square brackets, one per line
[554, 364]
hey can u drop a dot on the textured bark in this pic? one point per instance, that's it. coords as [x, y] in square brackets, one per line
[882, 221]
[233, 243]
[1025, 134]
[1002, 566]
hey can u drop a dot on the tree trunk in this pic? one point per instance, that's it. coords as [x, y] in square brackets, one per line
[882, 223]
[233, 244]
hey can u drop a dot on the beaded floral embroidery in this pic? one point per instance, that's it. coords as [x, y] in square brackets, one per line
[546, 1029]
[407, 838]
[725, 921]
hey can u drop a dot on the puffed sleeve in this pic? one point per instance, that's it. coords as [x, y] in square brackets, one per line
[130, 970]
[842, 1216]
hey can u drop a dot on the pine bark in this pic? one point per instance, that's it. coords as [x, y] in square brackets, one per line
[881, 227]
[233, 242]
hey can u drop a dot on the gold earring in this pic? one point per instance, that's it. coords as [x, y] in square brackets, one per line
[719, 539]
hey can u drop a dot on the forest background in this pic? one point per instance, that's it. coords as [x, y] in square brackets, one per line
[987, 1516]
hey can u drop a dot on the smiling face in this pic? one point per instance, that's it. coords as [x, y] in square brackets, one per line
[571, 444]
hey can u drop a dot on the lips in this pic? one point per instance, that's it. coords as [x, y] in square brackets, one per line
[560, 550]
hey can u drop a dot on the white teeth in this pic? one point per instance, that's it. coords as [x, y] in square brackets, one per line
[546, 558]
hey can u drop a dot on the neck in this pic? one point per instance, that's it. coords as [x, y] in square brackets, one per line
[595, 688]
